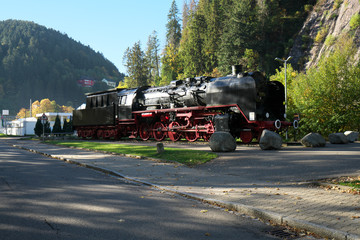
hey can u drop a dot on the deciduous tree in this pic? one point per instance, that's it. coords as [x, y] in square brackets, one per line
[328, 96]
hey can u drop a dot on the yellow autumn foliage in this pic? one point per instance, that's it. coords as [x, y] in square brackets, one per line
[45, 105]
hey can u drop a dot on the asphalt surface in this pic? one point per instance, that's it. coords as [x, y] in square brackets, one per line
[43, 198]
[291, 164]
[270, 185]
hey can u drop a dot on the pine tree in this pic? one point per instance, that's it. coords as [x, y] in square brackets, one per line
[67, 128]
[38, 130]
[173, 28]
[170, 65]
[239, 34]
[47, 128]
[57, 125]
[70, 126]
[201, 38]
[170, 59]
[136, 64]
[185, 15]
[192, 50]
[153, 59]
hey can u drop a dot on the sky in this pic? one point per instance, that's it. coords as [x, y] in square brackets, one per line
[107, 26]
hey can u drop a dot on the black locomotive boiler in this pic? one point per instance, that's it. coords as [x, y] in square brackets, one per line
[242, 103]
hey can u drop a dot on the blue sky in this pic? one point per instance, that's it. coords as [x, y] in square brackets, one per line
[107, 26]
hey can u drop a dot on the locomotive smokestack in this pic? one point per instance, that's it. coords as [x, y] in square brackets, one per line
[236, 69]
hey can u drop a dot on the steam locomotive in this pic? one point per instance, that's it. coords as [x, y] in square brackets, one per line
[243, 104]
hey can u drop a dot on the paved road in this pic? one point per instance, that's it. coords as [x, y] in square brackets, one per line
[290, 164]
[44, 198]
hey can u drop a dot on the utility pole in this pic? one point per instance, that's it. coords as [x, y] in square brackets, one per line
[30, 108]
[285, 66]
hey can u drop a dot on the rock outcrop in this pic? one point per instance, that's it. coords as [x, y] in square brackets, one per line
[327, 21]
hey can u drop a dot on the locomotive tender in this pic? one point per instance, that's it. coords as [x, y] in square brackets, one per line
[243, 104]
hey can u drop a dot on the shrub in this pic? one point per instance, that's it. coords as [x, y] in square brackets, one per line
[330, 40]
[308, 8]
[337, 4]
[57, 125]
[328, 95]
[321, 34]
[38, 128]
[355, 21]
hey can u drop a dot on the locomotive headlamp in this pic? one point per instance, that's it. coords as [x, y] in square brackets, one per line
[252, 116]
[267, 115]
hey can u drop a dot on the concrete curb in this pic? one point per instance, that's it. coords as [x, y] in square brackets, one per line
[254, 212]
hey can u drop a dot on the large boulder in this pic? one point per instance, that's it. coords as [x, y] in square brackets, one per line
[270, 140]
[313, 140]
[338, 138]
[222, 142]
[352, 136]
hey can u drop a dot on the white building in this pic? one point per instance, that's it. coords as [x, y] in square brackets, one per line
[109, 83]
[25, 126]
[21, 127]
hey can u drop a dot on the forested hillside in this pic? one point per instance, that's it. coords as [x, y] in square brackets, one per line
[38, 63]
[212, 35]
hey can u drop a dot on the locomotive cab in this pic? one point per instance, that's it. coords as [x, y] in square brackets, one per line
[129, 102]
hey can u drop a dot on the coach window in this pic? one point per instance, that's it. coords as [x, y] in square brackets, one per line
[89, 103]
[104, 100]
[122, 100]
[99, 101]
[107, 102]
[93, 102]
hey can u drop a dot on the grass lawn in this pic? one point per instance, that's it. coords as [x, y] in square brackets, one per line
[184, 156]
[353, 184]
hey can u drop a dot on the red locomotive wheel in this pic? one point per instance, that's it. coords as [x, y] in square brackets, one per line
[117, 134]
[87, 133]
[206, 136]
[100, 133]
[93, 134]
[81, 133]
[173, 135]
[144, 131]
[159, 134]
[107, 133]
[246, 137]
[191, 136]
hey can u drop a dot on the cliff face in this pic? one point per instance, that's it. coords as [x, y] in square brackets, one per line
[328, 20]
